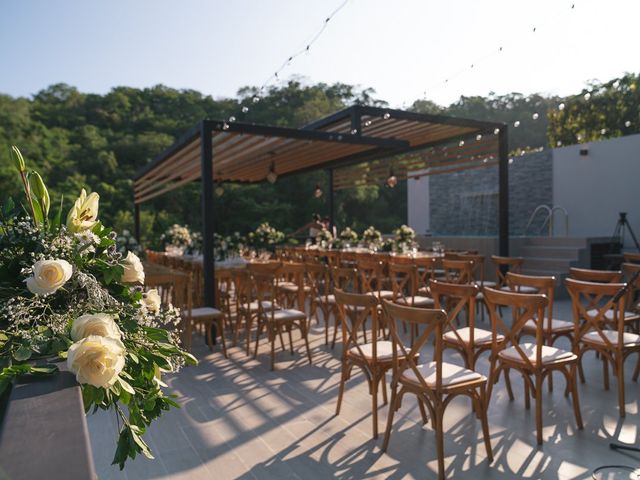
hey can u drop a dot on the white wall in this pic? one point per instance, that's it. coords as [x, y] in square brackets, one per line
[418, 204]
[595, 188]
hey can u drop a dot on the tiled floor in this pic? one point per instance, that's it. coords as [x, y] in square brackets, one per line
[240, 420]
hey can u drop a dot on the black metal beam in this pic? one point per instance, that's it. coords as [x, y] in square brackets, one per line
[136, 223]
[331, 200]
[208, 227]
[356, 120]
[329, 120]
[503, 192]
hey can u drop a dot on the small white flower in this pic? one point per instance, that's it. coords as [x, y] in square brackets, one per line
[151, 300]
[48, 276]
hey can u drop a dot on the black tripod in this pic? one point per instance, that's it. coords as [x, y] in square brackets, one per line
[618, 233]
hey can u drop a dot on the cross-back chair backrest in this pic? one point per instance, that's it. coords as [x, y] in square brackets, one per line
[332, 257]
[403, 282]
[347, 259]
[631, 257]
[505, 264]
[425, 267]
[542, 284]
[404, 357]
[478, 265]
[294, 272]
[597, 307]
[354, 309]
[345, 279]
[597, 276]
[633, 297]
[318, 278]
[457, 271]
[523, 307]
[265, 279]
[371, 272]
[453, 298]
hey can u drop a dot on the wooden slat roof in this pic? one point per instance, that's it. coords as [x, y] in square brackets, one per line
[243, 152]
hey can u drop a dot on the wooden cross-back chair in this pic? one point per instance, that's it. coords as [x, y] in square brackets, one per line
[372, 278]
[478, 278]
[469, 341]
[502, 266]
[602, 329]
[535, 360]
[458, 271]
[633, 297]
[631, 257]
[345, 279]
[404, 285]
[425, 267]
[434, 383]
[597, 276]
[271, 317]
[318, 279]
[373, 358]
[292, 290]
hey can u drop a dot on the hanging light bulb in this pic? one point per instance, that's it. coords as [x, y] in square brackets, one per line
[245, 109]
[561, 107]
[219, 191]
[516, 124]
[478, 137]
[535, 116]
[496, 131]
[272, 176]
[317, 193]
[386, 116]
[392, 180]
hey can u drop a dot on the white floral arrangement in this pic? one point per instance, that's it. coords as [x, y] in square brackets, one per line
[177, 236]
[324, 238]
[126, 242]
[404, 238]
[265, 237]
[372, 236]
[66, 292]
[348, 236]
[229, 246]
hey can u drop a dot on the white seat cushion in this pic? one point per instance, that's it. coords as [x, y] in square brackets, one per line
[287, 315]
[521, 289]
[556, 325]
[480, 336]
[417, 301]
[202, 313]
[330, 299]
[629, 339]
[485, 283]
[384, 350]
[292, 287]
[549, 354]
[609, 314]
[451, 374]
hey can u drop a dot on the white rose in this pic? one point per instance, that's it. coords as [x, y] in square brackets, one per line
[151, 300]
[100, 324]
[96, 360]
[48, 276]
[84, 213]
[133, 270]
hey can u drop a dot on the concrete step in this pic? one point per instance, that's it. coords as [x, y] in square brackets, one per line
[533, 251]
[549, 264]
[579, 242]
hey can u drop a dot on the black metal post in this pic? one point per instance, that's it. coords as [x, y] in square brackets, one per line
[331, 203]
[503, 192]
[136, 223]
[208, 228]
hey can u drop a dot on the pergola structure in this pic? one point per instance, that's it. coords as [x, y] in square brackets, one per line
[219, 151]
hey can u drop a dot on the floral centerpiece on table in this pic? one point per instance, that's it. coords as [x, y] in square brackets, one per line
[265, 237]
[229, 246]
[372, 238]
[67, 293]
[324, 238]
[127, 243]
[195, 247]
[348, 237]
[176, 239]
[404, 238]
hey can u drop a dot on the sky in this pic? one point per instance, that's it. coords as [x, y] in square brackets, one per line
[404, 49]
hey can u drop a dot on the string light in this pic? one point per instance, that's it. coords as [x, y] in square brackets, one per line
[219, 190]
[317, 193]
[587, 96]
[272, 176]
[496, 131]
[386, 116]
[516, 124]
[245, 109]
[478, 137]
[535, 116]
[392, 180]
[561, 107]
[627, 123]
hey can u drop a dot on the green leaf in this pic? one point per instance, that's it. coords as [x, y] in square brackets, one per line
[22, 354]
[126, 387]
[37, 211]
[57, 219]
[8, 207]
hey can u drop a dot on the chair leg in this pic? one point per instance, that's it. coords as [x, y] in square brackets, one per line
[527, 393]
[637, 370]
[493, 378]
[581, 370]
[539, 381]
[574, 396]
[374, 404]
[384, 388]
[605, 372]
[392, 411]
[290, 339]
[620, 369]
[208, 328]
[485, 423]
[305, 334]
[550, 380]
[247, 329]
[423, 412]
[272, 340]
[507, 382]
[258, 332]
[222, 339]
[440, 440]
